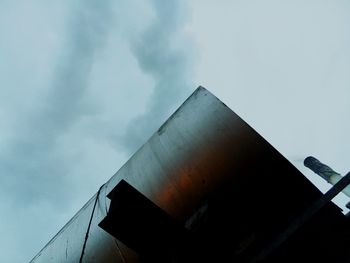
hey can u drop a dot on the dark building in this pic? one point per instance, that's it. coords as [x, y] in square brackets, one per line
[205, 188]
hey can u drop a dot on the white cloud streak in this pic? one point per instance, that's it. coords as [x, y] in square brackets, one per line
[70, 70]
[31, 156]
[161, 53]
[33, 168]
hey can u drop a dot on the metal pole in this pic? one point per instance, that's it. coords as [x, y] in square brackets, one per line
[325, 172]
[303, 218]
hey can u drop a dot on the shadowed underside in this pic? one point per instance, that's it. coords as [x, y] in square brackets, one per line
[211, 174]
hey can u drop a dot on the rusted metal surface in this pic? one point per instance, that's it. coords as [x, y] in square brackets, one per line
[202, 149]
[141, 225]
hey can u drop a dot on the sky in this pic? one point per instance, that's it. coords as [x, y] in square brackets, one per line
[84, 83]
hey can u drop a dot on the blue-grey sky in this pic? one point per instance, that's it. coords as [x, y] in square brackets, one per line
[284, 67]
[84, 83]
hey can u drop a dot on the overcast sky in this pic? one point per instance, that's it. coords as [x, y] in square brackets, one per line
[84, 83]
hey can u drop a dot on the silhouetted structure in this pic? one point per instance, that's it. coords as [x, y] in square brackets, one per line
[205, 188]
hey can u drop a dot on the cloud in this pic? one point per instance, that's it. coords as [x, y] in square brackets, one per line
[32, 156]
[69, 72]
[162, 54]
[35, 189]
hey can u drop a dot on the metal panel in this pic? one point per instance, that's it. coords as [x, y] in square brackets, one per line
[201, 149]
[142, 225]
